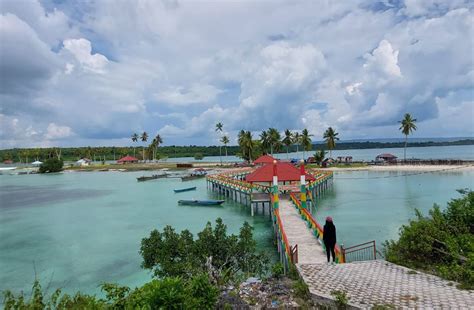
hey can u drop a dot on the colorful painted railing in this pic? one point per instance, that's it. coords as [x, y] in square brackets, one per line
[320, 176]
[231, 182]
[290, 253]
[315, 226]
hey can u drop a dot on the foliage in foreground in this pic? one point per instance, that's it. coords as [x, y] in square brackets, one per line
[51, 165]
[224, 257]
[442, 243]
[189, 271]
[168, 293]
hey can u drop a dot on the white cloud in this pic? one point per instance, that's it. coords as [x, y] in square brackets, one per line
[82, 50]
[197, 93]
[54, 132]
[384, 60]
[167, 67]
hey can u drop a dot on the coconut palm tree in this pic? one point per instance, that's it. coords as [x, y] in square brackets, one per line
[319, 156]
[330, 136]
[144, 138]
[306, 141]
[275, 138]
[155, 144]
[249, 144]
[240, 140]
[134, 139]
[287, 141]
[225, 140]
[407, 126]
[219, 127]
[296, 141]
[265, 141]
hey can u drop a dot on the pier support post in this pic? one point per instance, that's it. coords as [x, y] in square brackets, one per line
[275, 185]
[303, 186]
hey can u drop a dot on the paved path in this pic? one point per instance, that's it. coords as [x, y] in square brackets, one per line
[309, 249]
[381, 283]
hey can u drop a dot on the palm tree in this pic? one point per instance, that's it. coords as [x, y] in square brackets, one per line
[225, 140]
[330, 136]
[265, 141]
[407, 126]
[134, 139]
[287, 141]
[296, 140]
[144, 138]
[240, 141]
[275, 138]
[306, 141]
[156, 142]
[219, 127]
[319, 156]
[249, 144]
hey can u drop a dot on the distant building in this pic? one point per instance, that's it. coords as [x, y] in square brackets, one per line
[344, 159]
[8, 162]
[386, 157]
[83, 162]
[127, 160]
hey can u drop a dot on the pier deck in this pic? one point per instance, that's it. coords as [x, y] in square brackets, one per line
[309, 249]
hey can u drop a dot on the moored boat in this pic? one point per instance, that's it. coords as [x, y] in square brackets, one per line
[151, 177]
[201, 202]
[180, 190]
[192, 177]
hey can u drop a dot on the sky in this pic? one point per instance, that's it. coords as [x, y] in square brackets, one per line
[92, 72]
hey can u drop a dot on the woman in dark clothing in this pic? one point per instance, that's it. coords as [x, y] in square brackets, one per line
[329, 238]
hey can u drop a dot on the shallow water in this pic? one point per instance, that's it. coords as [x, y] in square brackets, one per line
[77, 230]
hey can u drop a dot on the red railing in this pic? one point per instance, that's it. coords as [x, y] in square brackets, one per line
[291, 253]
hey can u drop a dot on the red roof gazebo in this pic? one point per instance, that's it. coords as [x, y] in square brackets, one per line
[264, 159]
[285, 172]
[127, 159]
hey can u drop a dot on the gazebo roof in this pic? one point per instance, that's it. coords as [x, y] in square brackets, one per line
[264, 159]
[127, 158]
[285, 172]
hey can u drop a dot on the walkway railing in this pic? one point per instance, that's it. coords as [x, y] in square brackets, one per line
[231, 182]
[360, 252]
[290, 253]
[315, 226]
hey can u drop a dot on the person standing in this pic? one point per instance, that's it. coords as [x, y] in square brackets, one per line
[329, 238]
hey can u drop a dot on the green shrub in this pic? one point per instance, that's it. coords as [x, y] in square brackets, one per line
[51, 165]
[198, 156]
[342, 299]
[442, 242]
[301, 289]
[278, 270]
[170, 254]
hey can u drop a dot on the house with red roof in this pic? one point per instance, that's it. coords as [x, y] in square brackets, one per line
[286, 172]
[264, 159]
[127, 160]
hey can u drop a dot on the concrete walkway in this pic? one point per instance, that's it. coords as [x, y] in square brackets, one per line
[309, 249]
[379, 282]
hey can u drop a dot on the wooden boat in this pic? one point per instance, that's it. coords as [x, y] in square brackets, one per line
[201, 202]
[192, 177]
[151, 177]
[180, 190]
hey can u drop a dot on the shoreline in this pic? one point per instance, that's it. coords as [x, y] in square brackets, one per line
[217, 167]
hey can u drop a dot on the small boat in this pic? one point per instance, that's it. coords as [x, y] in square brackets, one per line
[201, 202]
[180, 190]
[192, 177]
[152, 177]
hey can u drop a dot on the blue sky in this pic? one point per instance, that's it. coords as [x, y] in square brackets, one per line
[93, 72]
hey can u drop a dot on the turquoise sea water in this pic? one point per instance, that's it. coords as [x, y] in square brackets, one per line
[79, 229]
